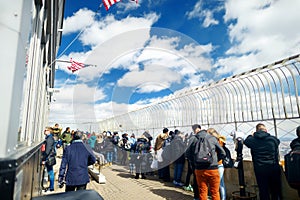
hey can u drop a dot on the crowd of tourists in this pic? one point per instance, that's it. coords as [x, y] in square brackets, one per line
[204, 151]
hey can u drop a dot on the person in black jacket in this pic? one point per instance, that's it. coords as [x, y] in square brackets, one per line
[295, 144]
[49, 151]
[178, 147]
[265, 158]
[141, 150]
[74, 165]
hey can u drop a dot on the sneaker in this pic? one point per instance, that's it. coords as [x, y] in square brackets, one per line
[174, 182]
[188, 188]
[180, 184]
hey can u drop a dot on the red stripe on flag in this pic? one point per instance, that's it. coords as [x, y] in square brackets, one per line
[108, 3]
[75, 66]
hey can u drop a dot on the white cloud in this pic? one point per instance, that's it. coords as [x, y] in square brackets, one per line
[209, 19]
[165, 64]
[79, 93]
[126, 43]
[261, 32]
[79, 21]
[75, 103]
[152, 79]
[128, 6]
[204, 15]
[109, 27]
[131, 32]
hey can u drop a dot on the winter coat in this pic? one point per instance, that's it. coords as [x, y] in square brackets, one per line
[141, 150]
[108, 145]
[189, 153]
[160, 141]
[295, 144]
[100, 146]
[75, 161]
[66, 137]
[92, 141]
[49, 145]
[264, 149]
[179, 148]
[217, 150]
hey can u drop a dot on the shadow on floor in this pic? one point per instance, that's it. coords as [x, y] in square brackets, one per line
[170, 194]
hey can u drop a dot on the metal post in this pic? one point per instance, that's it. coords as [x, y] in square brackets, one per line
[240, 166]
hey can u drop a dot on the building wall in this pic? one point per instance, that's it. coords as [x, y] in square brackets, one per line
[29, 40]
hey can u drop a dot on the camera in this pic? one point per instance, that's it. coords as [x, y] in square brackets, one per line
[238, 138]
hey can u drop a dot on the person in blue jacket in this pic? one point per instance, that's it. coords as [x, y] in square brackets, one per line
[74, 165]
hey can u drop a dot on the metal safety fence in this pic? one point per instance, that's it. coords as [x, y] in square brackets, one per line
[269, 93]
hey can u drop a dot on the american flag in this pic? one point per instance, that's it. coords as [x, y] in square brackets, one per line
[108, 3]
[75, 66]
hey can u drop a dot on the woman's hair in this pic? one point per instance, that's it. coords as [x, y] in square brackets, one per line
[213, 132]
[49, 128]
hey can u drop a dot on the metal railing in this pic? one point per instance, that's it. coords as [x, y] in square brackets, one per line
[268, 94]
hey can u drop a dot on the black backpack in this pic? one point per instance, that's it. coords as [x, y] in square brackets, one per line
[227, 160]
[167, 154]
[292, 172]
[203, 154]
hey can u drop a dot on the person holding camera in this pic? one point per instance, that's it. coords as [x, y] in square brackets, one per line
[74, 165]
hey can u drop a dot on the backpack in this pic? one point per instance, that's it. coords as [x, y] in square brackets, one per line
[115, 140]
[140, 147]
[167, 153]
[292, 172]
[203, 151]
[227, 160]
[127, 144]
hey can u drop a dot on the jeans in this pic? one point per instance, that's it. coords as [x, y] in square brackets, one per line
[109, 156]
[116, 153]
[163, 171]
[209, 177]
[222, 183]
[178, 171]
[51, 176]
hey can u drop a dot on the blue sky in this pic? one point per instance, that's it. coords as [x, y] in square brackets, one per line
[148, 51]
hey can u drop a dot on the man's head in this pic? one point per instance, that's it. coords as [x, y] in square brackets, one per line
[298, 131]
[165, 130]
[77, 135]
[48, 130]
[56, 125]
[196, 128]
[261, 127]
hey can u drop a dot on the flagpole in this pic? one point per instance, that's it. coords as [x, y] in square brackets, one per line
[67, 61]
